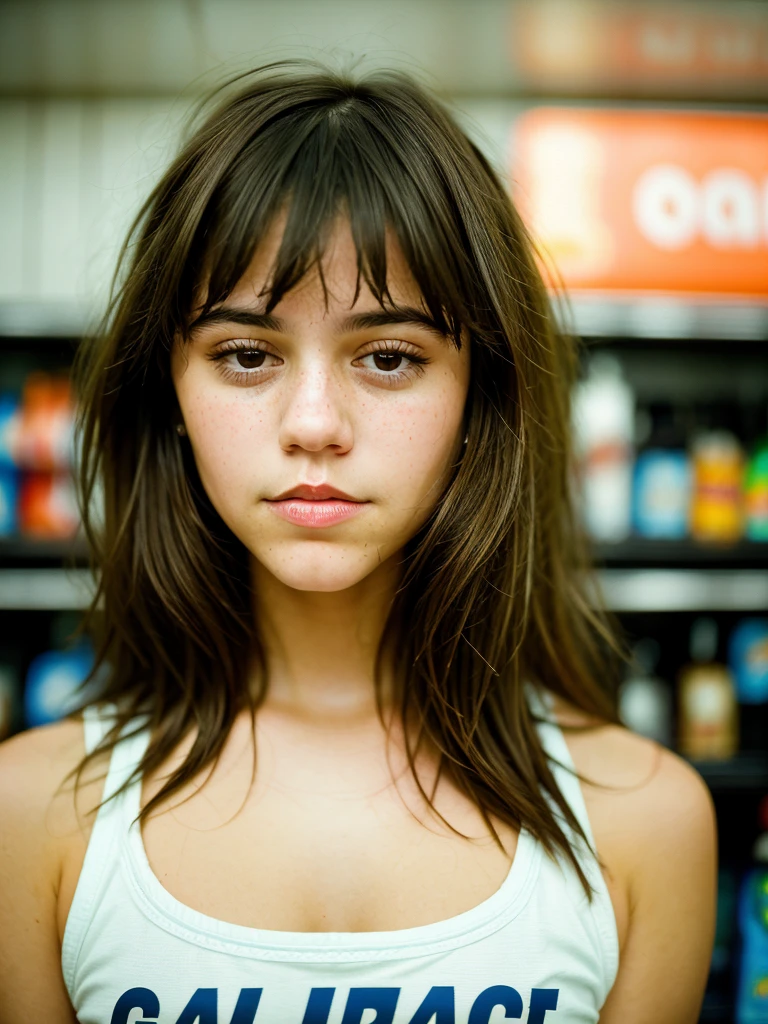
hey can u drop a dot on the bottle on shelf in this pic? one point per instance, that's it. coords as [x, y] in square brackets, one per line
[54, 684]
[717, 502]
[707, 711]
[752, 984]
[748, 662]
[645, 702]
[756, 493]
[603, 423]
[661, 487]
[718, 997]
[37, 494]
[9, 473]
[748, 659]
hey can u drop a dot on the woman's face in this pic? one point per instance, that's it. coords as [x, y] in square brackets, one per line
[339, 396]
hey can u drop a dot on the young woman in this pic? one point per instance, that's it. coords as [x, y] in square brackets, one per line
[350, 674]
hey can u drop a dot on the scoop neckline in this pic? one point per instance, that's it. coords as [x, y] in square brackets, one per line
[170, 913]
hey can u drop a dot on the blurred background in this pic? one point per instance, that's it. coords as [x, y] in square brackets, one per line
[634, 137]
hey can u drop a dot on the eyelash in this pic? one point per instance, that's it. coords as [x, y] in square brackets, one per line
[390, 377]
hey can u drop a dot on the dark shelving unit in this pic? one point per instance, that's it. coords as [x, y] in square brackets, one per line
[642, 552]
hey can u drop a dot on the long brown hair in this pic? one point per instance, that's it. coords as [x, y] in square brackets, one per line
[494, 589]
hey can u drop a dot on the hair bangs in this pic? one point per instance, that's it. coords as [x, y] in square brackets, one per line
[315, 165]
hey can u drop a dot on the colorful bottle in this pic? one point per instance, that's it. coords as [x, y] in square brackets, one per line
[748, 660]
[718, 997]
[752, 985]
[661, 487]
[756, 494]
[9, 474]
[46, 426]
[54, 684]
[708, 714]
[603, 421]
[717, 506]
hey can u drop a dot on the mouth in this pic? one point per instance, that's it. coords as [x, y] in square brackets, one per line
[315, 507]
[315, 493]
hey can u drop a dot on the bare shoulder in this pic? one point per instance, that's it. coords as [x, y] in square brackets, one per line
[649, 789]
[38, 817]
[34, 792]
[31, 760]
[654, 826]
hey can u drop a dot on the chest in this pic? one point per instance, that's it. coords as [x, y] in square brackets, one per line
[327, 837]
[313, 861]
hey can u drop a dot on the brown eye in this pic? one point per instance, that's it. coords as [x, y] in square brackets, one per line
[250, 360]
[387, 360]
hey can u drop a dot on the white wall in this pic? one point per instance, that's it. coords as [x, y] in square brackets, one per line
[73, 174]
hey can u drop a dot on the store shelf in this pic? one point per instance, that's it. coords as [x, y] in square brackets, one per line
[685, 590]
[25, 552]
[745, 771]
[659, 316]
[45, 589]
[624, 590]
[641, 552]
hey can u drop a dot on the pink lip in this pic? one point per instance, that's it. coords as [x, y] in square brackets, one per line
[316, 514]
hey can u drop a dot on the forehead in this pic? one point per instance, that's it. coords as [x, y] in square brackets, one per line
[335, 282]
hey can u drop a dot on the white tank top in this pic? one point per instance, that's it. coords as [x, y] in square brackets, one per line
[534, 951]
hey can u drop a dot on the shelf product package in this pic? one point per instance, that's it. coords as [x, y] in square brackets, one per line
[9, 474]
[603, 422]
[748, 660]
[752, 986]
[9, 494]
[708, 714]
[9, 428]
[661, 485]
[47, 505]
[46, 424]
[756, 494]
[54, 684]
[717, 507]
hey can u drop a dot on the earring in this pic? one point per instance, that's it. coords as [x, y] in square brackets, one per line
[181, 430]
[465, 439]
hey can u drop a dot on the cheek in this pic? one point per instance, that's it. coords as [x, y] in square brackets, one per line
[417, 440]
[228, 440]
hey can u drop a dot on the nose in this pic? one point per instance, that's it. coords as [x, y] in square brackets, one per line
[316, 411]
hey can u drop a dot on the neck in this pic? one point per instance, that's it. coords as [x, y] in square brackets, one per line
[321, 647]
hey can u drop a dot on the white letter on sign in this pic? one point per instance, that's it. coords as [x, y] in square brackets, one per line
[730, 210]
[665, 206]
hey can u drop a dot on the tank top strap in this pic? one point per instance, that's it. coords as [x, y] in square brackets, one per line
[109, 830]
[128, 751]
[95, 723]
[601, 911]
[561, 763]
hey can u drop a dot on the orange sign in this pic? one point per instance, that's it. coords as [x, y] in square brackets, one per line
[641, 200]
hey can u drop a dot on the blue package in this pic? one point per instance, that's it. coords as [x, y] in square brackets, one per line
[752, 986]
[9, 500]
[661, 493]
[748, 660]
[9, 418]
[53, 686]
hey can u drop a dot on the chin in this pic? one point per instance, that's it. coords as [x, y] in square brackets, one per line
[320, 568]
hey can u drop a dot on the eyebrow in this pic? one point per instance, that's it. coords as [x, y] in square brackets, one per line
[355, 322]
